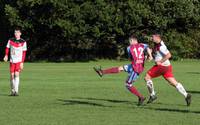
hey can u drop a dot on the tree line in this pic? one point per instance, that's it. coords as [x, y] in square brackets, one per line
[81, 30]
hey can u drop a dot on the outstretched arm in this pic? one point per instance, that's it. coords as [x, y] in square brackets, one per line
[149, 51]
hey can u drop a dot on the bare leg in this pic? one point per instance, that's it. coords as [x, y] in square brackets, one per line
[172, 81]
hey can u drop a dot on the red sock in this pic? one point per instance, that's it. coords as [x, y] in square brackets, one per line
[111, 70]
[133, 90]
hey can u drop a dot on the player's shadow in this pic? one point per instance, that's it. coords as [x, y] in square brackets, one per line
[173, 110]
[93, 102]
[193, 72]
[193, 92]
[167, 104]
[81, 102]
[4, 94]
[106, 100]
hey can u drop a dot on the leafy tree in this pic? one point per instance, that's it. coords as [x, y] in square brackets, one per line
[70, 30]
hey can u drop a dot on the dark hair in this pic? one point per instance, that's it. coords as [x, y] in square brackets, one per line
[157, 33]
[18, 28]
[133, 36]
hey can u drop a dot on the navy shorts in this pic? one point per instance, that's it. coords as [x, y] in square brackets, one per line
[132, 75]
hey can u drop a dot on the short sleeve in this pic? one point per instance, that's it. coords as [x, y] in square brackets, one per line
[24, 47]
[8, 44]
[164, 50]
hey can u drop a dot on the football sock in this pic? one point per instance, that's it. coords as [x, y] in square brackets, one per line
[150, 87]
[111, 70]
[12, 82]
[16, 84]
[181, 89]
[133, 90]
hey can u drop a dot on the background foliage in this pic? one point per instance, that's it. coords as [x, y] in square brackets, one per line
[71, 30]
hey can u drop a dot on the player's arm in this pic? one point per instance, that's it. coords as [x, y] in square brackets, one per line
[23, 59]
[166, 55]
[149, 51]
[7, 51]
[6, 54]
[129, 53]
[23, 56]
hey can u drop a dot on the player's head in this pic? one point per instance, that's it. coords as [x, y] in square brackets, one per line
[156, 37]
[133, 39]
[17, 33]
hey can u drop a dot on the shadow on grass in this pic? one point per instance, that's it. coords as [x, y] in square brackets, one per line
[167, 104]
[87, 101]
[173, 110]
[80, 102]
[193, 72]
[90, 101]
[107, 100]
[4, 94]
[194, 92]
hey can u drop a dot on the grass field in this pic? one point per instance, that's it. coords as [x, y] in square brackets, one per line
[72, 94]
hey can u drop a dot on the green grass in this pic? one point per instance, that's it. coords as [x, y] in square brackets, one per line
[72, 94]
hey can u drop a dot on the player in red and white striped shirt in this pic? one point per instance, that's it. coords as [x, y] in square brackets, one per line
[163, 68]
[17, 48]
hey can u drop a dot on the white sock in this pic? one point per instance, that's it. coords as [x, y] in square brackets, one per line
[12, 84]
[16, 84]
[150, 87]
[181, 89]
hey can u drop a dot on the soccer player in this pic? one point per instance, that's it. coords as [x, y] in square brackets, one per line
[162, 68]
[136, 54]
[17, 48]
